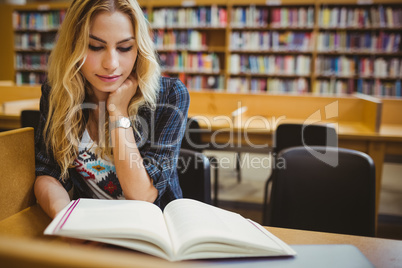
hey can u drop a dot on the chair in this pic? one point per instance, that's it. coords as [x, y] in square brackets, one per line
[289, 135]
[194, 175]
[331, 191]
[30, 118]
[192, 141]
[17, 165]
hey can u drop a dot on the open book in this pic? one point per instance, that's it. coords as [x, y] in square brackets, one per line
[186, 229]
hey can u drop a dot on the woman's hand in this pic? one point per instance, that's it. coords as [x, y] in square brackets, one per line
[118, 101]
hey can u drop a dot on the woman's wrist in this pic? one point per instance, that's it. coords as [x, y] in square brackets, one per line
[115, 112]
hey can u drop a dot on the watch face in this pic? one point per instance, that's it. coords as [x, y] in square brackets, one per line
[125, 122]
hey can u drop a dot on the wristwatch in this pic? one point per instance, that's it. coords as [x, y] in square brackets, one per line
[123, 122]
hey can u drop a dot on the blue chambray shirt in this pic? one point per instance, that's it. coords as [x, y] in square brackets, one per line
[159, 140]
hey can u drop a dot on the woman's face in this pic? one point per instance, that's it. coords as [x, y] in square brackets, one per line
[112, 52]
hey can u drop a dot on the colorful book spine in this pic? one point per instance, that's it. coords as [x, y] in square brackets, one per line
[335, 66]
[334, 86]
[250, 16]
[33, 61]
[380, 88]
[238, 85]
[39, 21]
[213, 16]
[189, 62]
[269, 64]
[31, 78]
[360, 17]
[203, 82]
[301, 17]
[272, 40]
[180, 39]
[388, 42]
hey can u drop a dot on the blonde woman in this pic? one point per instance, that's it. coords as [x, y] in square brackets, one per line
[111, 126]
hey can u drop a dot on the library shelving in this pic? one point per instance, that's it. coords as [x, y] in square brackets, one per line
[34, 31]
[273, 46]
[359, 48]
[270, 47]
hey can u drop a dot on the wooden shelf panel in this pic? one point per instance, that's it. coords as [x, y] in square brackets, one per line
[271, 75]
[362, 53]
[203, 28]
[191, 72]
[270, 52]
[359, 28]
[323, 76]
[208, 49]
[269, 28]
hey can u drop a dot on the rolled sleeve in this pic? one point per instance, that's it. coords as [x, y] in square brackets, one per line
[163, 144]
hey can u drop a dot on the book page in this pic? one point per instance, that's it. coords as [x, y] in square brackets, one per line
[195, 227]
[128, 219]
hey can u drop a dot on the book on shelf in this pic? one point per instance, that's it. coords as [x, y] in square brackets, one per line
[292, 17]
[191, 62]
[200, 82]
[280, 86]
[212, 16]
[35, 61]
[358, 17]
[269, 65]
[186, 229]
[271, 41]
[29, 77]
[250, 16]
[338, 66]
[359, 42]
[377, 87]
[41, 21]
[180, 39]
[334, 86]
[270, 85]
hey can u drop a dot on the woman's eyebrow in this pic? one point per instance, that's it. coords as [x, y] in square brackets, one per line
[103, 41]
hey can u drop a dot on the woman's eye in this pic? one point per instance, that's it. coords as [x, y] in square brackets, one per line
[94, 48]
[125, 49]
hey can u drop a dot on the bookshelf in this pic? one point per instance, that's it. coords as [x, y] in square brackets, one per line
[191, 41]
[34, 31]
[259, 46]
[359, 48]
[273, 46]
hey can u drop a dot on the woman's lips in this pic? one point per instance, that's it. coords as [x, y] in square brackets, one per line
[108, 78]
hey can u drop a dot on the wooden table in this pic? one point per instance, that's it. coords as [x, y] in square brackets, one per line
[366, 124]
[22, 244]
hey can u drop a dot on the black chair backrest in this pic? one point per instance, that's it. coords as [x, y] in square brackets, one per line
[192, 141]
[30, 118]
[289, 135]
[310, 194]
[192, 136]
[194, 175]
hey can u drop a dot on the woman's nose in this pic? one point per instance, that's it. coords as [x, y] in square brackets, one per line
[110, 60]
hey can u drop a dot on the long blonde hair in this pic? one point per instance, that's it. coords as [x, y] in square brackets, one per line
[65, 124]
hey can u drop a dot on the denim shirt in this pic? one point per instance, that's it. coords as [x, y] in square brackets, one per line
[159, 140]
